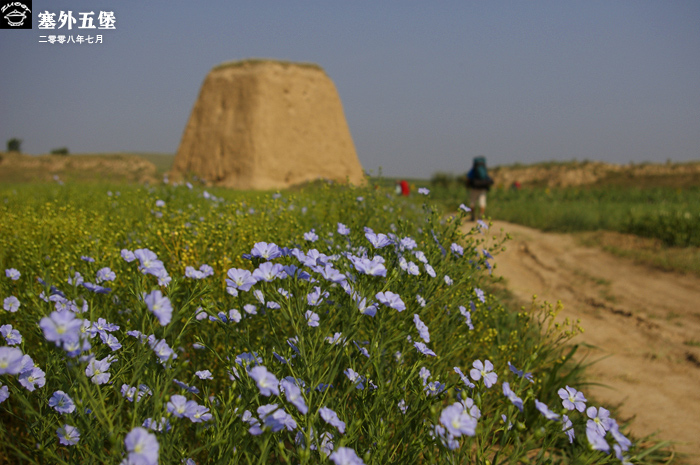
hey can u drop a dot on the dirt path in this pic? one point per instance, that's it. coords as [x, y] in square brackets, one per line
[646, 321]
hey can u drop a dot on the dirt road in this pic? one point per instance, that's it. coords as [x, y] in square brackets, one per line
[646, 321]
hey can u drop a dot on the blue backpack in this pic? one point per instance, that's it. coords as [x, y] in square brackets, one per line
[479, 178]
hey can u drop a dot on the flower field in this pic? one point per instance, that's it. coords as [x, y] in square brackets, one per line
[332, 324]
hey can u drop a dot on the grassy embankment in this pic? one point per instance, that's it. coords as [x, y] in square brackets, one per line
[654, 220]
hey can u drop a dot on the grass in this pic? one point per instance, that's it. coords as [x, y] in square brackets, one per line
[655, 221]
[645, 251]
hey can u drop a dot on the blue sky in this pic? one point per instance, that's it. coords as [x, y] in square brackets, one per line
[425, 85]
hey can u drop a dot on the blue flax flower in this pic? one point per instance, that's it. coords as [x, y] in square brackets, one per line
[277, 420]
[10, 360]
[110, 341]
[186, 387]
[240, 279]
[467, 315]
[163, 350]
[365, 308]
[159, 305]
[32, 378]
[204, 374]
[4, 393]
[355, 378]
[180, 407]
[420, 256]
[434, 388]
[343, 230]
[480, 295]
[96, 288]
[311, 236]
[423, 349]
[293, 395]
[402, 406]
[11, 304]
[330, 274]
[446, 439]
[68, 435]
[596, 439]
[517, 401]
[572, 399]
[421, 327]
[266, 381]
[362, 350]
[374, 267]
[568, 428]
[391, 300]
[13, 274]
[484, 370]
[105, 274]
[544, 410]
[157, 426]
[622, 440]
[12, 336]
[97, 370]
[599, 419]
[458, 421]
[142, 447]
[149, 263]
[424, 374]
[378, 241]
[268, 272]
[61, 402]
[266, 251]
[330, 417]
[407, 243]
[316, 297]
[527, 376]
[131, 393]
[311, 318]
[345, 456]
[200, 414]
[465, 380]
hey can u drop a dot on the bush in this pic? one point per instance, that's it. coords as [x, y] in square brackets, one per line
[60, 151]
[14, 145]
[442, 180]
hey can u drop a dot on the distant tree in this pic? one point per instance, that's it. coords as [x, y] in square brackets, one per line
[14, 145]
[442, 179]
[60, 151]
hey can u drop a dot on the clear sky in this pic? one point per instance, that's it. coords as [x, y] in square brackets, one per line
[425, 85]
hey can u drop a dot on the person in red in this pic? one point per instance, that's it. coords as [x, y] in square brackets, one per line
[405, 189]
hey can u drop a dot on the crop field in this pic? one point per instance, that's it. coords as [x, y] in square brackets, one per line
[174, 324]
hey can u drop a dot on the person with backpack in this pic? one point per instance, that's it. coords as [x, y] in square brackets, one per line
[479, 182]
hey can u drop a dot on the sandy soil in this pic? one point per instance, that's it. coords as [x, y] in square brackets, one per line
[644, 321]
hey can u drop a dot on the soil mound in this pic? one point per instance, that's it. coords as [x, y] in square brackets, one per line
[16, 167]
[565, 174]
[261, 124]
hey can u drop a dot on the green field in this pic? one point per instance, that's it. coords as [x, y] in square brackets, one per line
[654, 220]
[267, 327]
